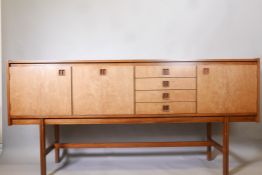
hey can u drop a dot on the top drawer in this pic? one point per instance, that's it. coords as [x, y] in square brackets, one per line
[166, 71]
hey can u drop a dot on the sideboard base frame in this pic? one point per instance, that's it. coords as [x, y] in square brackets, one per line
[209, 143]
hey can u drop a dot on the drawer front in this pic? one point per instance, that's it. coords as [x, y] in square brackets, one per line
[165, 83]
[165, 95]
[166, 71]
[166, 108]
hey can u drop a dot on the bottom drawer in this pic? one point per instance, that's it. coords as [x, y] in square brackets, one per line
[166, 108]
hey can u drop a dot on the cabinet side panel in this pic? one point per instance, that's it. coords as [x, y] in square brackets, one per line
[211, 88]
[8, 92]
[258, 89]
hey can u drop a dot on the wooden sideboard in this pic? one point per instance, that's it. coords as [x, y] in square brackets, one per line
[133, 92]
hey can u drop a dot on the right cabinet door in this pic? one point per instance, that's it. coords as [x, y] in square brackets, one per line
[230, 88]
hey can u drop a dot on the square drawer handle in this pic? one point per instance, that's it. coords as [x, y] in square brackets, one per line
[165, 71]
[165, 83]
[102, 71]
[61, 72]
[165, 108]
[206, 70]
[165, 96]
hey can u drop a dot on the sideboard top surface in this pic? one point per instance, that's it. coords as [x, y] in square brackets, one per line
[131, 61]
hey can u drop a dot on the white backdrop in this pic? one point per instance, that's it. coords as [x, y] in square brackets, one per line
[126, 29]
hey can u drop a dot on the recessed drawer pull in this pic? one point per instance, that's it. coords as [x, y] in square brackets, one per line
[165, 83]
[165, 71]
[165, 96]
[61, 72]
[102, 71]
[165, 108]
[206, 70]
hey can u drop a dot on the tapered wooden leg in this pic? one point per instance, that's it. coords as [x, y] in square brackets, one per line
[57, 140]
[226, 146]
[209, 137]
[42, 147]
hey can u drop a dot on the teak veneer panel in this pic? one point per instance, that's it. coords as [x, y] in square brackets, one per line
[179, 70]
[39, 90]
[174, 108]
[211, 91]
[173, 95]
[227, 89]
[112, 93]
[242, 89]
[157, 83]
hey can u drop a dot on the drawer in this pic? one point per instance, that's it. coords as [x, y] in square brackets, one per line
[166, 71]
[165, 83]
[166, 108]
[165, 95]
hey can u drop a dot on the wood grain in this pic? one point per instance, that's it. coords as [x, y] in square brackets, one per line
[135, 144]
[157, 83]
[8, 93]
[39, 90]
[226, 146]
[241, 89]
[258, 90]
[222, 60]
[211, 89]
[146, 119]
[154, 96]
[57, 140]
[103, 94]
[174, 95]
[209, 138]
[227, 89]
[179, 70]
[42, 150]
[174, 108]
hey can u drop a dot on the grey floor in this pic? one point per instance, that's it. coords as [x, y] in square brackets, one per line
[245, 159]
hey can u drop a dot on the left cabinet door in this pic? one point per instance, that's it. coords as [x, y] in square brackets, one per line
[40, 90]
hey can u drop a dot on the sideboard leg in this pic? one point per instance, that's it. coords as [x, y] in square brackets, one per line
[57, 140]
[226, 146]
[209, 137]
[42, 146]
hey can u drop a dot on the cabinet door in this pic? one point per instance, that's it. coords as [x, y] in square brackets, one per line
[242, 89]
[103, 89]
[227, 88]
[211, 88]
[40, 90]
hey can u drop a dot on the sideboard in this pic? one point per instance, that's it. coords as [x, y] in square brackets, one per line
[133, 92]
